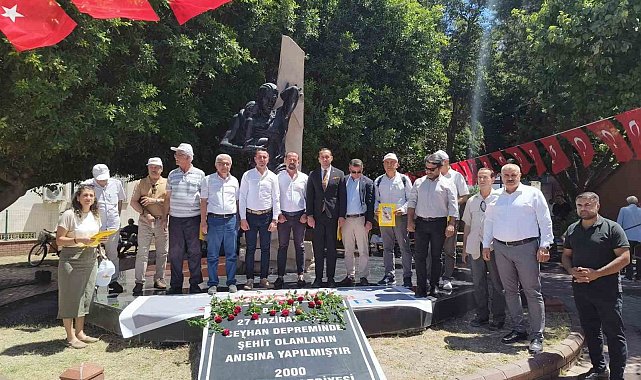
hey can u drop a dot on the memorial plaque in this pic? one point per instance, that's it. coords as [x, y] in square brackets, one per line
[277, 347]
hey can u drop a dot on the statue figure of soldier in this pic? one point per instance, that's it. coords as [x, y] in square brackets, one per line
[258, 125]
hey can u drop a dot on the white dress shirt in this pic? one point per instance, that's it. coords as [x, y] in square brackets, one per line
[458, 181]
[292, 191]
[474, 217]
[393, 190]
[107, 199]
[433, 198]
[630, 216]
[517, 216]
[221, 193]
[259, 192]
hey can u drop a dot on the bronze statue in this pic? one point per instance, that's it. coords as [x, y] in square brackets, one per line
[258, 125]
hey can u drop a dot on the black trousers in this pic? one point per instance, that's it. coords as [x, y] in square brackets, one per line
[324, 243]
[184, 240]
[629, 269]
[429, 239]
[600, 313]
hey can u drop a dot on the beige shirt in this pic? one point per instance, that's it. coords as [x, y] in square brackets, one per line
[84, 226]
[157, 191]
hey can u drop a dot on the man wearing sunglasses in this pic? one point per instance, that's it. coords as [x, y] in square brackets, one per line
[519, 227]
[148, 200]
[355, 218]
[474, 216]
[432, 211]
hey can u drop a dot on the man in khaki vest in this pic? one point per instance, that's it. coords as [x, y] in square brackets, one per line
[148, 200]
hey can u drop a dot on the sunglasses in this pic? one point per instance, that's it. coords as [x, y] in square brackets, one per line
[483, 206]
[355, 172]
[153, 189]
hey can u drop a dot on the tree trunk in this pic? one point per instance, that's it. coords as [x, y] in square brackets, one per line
[11, 188]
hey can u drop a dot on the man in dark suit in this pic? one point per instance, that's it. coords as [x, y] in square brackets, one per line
[322, 214]
[355, 218]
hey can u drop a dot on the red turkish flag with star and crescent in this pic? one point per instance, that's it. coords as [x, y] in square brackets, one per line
[531, 150]
[631, 121]
[609, 134]
[581, 142]
[498, 156]
[186, 9]
[560, 161]
[30, 24]
[485, 160]
[106, 9]
[467, 172]
[471, 163]
[520, 157]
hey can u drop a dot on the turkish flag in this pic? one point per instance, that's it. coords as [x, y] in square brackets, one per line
[631, 121]
[532, 151]
[467, 172]
[581, 142]
[186, 9]
[485, 160]
[30, 24]
[458, 168]
[471, 163]
[560, 161]
[105, 9]
[515, 152]
[609, 134]
[499, 158]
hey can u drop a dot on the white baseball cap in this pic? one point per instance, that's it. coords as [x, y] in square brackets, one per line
[155, 161]
[100, 172]
[106, 269]
[442, 155]
[390, 156]
[185, 148]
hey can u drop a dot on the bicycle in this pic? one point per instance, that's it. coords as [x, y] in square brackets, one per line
[46, 243]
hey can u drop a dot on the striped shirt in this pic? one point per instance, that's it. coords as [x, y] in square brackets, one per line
[184, 201]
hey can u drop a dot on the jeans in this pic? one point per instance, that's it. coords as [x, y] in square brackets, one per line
[429, 245]
[221, 231]
[184, 237]
[293, 225]
[258, 225]
[600, 313]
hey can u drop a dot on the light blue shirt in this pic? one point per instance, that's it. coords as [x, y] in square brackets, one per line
[630, 216]
[355, 205]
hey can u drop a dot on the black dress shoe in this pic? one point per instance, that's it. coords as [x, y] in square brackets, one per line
[593, 374]
[478, 322]
[301, 284]
[174, 291]
[536, 346]
[433, 293]
[364, 281]
[137, 291]
[115, 287]
[331, 283]
[317, 284]
[347, 281]
[514, 336]
[278, 284]
[194, 289]
[407, 282]
[494, 325]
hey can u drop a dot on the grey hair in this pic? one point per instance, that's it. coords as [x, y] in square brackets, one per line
[589, 196]
[434, 159]
[510, 166]
[223, 156]
[632, 200]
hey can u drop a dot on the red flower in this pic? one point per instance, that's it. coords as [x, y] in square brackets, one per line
[319, 303]
[290, 301]
[218, 319]
[231, 317]
[316, 299]
[285, 313]
[255, 316]
[281, 302]
[237, 309]
[226, 332]
[272, 312]
[301, 298]
[311, 304]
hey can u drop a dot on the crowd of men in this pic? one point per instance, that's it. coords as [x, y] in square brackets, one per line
[507, 233]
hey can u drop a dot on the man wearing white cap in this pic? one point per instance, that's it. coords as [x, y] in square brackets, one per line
[182, 207]
[148, 200]
[462, 194]
[109, 196]
[395, 188]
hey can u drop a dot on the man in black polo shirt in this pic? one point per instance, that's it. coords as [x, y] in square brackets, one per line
[594, 252]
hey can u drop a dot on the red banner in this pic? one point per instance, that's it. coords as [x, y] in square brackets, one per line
[560, 161]
[467, 172]
[106, 9]
[609, 134]
[186, 9]
[471, 163]
[581, 142]
[30, 24]
[499, 158]
[532, 151]
[485, 161]
[520, 157]
[631, 121]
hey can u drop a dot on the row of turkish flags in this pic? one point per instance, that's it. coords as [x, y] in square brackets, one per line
[30, 24]
[528, 155]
